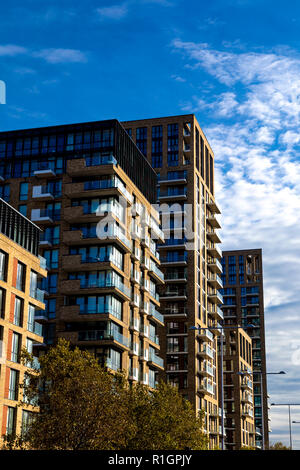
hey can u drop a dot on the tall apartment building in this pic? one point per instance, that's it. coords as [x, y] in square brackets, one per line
[244, 305]
[90, 190]
[179, 152]
[238, 389]
[20, 268]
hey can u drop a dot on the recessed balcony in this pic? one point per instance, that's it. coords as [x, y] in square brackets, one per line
[78, 286]
[215, 297]
[42, 193]
[214, 251]
[213, 207]
[156, 361]
[216, 313]
[92, 166]
[215, 266]
[215, 281]
[98, 336]
[213, 221]
[213, 236]
[42, 216]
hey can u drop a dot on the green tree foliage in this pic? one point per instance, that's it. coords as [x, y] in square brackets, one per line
[279, 446]
[82, 406]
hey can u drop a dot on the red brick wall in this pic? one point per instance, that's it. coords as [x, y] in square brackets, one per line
[12, 307]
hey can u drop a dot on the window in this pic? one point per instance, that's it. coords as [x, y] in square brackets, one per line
[31, 316]
[157, 161]
[13, 385]
[3, 265]
[2, 302]
[15, 349]
[33, 283]
[21, 270]
[18, 312]
[23, 192]
[27, 419]
[5, 192]
[29, 345]
[23, 209]
[11, 421]
[51, 257]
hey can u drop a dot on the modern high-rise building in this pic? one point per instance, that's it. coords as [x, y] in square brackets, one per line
[238, 389]
[20, 269]
[90, 190]
[244, 305]
[179, 152]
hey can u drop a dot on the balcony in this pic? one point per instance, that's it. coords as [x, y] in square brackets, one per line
[213, 221]
[42, 193]
[44, 171]
[154, 339]
[176, 276]
[89, 237]
[206, 387]
[173, 195]
[205, 335]
[178, 294]
[217, 313]
[37, 294]
[91, 166]
[215, 281]
[213, 236]
[216, 329]
[177, 313]
[156, 315]
[110, 186]
[206, 370]
[42, 216]
[100, 335]
[215, 297]
[75, 286]
[214, 252]
[213, 207]
[41, 316]
[174, 243]
[174, 260]
[156, 360]
[206, 351]
[215, 265]
[156, 272]
[133, 374]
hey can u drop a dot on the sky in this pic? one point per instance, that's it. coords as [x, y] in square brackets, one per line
[236, 65]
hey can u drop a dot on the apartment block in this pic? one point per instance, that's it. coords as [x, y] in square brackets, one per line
[238, 389]
[20, 299]
[90, 190]
[244, 305]
[179, 152]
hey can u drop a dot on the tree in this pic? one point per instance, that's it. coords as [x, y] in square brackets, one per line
[82, 406]
[279, 446]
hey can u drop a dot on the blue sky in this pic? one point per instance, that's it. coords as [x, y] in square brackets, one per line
[236, 65]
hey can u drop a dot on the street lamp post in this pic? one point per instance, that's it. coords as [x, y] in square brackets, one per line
[262, 399]
[290, 424]
[222, 328]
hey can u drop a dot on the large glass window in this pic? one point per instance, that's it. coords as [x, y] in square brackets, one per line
[21, 271]
[11, 421]
[31, 315]
[2, 302]
[5, 192]
[15, 349]
[18, 312]
[3, 265]
[13, 385]
[23, 192]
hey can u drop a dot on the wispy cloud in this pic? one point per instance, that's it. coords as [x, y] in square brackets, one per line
[52, 56]
[12, 50]
[58, 56]
[256, 142]
[113, 12]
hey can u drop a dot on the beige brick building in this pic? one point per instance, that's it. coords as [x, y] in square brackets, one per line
[20, 267]
[179, 152]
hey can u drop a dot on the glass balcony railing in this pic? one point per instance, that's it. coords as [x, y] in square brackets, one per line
[156, 314]
[96, 160]
[156, 359]
[43, 262]
[99, 283]
[37, 294]
[99, 335]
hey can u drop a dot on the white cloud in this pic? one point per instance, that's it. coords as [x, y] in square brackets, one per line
[57, 56]
[114, 12]
[256, 141]
[12, 50]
